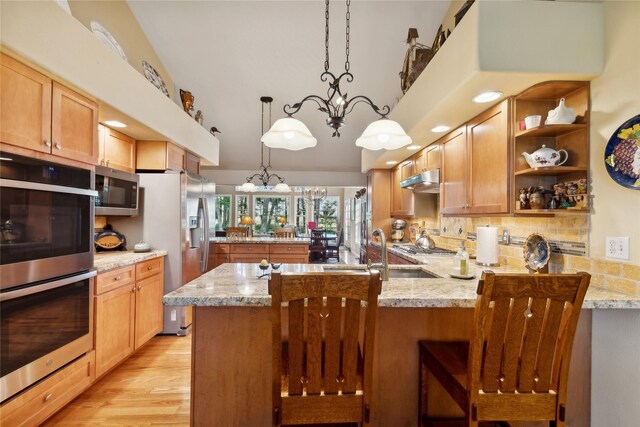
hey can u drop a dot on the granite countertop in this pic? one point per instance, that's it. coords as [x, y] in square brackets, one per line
[238, 285]
[104, 261]
[269, 240]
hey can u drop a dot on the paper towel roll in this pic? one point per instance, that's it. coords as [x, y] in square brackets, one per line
[487, 245]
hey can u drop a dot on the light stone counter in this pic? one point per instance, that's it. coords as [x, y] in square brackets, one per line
[269, 240]
[237, 285]
[104, 261]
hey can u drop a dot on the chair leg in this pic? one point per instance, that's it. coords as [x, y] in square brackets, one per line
[422, 390]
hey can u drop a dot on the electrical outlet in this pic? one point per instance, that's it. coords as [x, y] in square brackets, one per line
[617, 247]
[173, 315]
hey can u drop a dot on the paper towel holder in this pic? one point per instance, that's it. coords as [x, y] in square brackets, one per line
[485, 262]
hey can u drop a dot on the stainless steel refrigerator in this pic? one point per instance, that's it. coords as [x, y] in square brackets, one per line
[177, 209]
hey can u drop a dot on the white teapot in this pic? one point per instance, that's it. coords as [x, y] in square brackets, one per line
[544, 157]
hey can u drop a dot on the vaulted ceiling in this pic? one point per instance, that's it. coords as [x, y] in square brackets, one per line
[230, 53]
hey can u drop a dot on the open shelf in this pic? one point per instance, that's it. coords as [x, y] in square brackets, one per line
[551, 130]
[551, 170]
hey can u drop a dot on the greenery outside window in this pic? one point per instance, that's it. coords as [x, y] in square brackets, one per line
[242, 208]
[223, 212]
[326, 213]
[301, 215]
[267, 211]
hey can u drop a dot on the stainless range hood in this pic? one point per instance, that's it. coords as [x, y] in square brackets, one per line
[425, 182]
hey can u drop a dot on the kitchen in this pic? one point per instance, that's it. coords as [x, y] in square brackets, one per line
[613, 211]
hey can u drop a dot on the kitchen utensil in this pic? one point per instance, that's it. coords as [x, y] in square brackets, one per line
[545, 156]
[11, 232]
[461, 276]
[561, 115]
[142, 247]
[532, 121]
[425, 241]
[110, 240]
[536, 251]
[397, 230]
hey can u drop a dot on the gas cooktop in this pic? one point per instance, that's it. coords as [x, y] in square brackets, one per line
[417, 250]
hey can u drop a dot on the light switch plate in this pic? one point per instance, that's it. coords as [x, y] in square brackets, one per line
[617, 247]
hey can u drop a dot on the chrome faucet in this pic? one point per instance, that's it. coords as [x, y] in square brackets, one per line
[384, 265]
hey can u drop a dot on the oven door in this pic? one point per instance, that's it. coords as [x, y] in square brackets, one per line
[44, 327]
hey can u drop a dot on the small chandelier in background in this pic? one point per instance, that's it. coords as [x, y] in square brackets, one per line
[314, 194]
[292, 134]
[264, 176]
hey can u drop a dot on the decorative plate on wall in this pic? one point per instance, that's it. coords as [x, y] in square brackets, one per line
[153, 76]
[64, 5]
[107, 39]
[622, 154]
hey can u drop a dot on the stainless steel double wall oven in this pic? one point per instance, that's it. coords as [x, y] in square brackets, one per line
[46, 277]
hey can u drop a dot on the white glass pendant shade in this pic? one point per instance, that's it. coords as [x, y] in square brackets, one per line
[282, 188]
[289, 134]
[249, 187]
[383, 134]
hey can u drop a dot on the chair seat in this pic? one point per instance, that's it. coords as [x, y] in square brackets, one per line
[448, 362]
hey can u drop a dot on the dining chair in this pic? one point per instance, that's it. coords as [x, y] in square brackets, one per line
[333, 246]
[284, 232]
[322, 373]
[317, 246]
[237, 231]
[516, 364]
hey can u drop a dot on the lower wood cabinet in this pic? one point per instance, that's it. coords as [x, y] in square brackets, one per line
[290, 254]
[218, 254]
[45, 398]
[248, 252]
[221, 253]
[128, 311]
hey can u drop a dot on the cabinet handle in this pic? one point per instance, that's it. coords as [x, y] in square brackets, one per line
[133, 289]
[139, 288]
[58, 146]
[47, 143]
[149, 268]
[47, 397]
[118, 277]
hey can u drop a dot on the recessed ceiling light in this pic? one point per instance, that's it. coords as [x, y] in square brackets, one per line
[413, 147]
[487, 97]
[391, 162]
[440, 128]
[115, 124]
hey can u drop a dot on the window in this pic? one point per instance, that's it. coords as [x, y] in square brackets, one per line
[223, 212]
[300, 221]
[326, 213]
[242, 208]
[267, 211]
[348, 203]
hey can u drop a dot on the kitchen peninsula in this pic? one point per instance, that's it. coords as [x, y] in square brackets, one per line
[255, 249]
[231, 364]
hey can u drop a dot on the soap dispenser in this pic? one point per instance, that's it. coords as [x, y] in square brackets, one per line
[461, 261]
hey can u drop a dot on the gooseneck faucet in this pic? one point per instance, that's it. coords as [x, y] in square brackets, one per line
[384, 265]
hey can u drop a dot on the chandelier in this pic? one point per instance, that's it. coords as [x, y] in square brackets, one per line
[292, 134]
[314, 194]
[264, 176]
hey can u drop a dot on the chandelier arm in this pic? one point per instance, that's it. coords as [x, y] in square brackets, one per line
[290, 110]
[361, 98]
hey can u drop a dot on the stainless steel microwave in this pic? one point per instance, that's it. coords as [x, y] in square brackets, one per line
[117, 192]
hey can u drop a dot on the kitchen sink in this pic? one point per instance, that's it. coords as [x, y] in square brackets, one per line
[393, 273]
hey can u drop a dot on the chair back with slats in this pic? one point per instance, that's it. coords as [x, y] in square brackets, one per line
[521, 344]
[316, 376]
[237, 231]
[284, 232]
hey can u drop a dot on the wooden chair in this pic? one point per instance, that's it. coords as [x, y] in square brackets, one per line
[317, 245]
[284, 232]
[318, 377]
[237, 231]
[333, 247]
[516, 364]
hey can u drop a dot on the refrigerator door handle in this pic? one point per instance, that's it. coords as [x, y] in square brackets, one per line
[203, 211]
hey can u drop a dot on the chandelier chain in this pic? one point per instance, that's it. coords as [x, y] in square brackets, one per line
[326, 36]
[347, 65]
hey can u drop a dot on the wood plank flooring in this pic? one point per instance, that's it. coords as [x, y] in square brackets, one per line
[151, 388]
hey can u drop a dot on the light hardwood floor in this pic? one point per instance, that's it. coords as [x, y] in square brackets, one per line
[150, 388]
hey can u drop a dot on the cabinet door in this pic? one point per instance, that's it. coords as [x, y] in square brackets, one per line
[247, 257]
[74, 125]
[219, 259]
[488, 142]
[420, 162]
[192, 163]
[119, 150]
[176, 157]
[396, 196]
[25, 106]
[405, 194]
[453, 198]
[114, 327]
[149, 293]
[289, 259]
[432, 157]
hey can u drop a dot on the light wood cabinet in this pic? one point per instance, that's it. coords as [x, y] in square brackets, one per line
[402, 202]
[476, 165]
[574, 138]
[427, 158]
[128, 311]
[290, 254]
[42, 115]
[192, 163]
[218, 254]
[159, 155]
[116, 150]
[46, 397]
[248, 252]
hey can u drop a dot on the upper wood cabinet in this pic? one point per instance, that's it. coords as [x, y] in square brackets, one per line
[117, 150]
[401, 198]
[476, 165]
[192, 163]
[427, 158]
[39, 114]
[159, 155]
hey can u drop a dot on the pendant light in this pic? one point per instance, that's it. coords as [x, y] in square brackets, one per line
[292, 134]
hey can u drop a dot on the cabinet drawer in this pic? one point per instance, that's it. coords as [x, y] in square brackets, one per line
[114, 279]
[247, 257]
[289, 249]
[290, 259]
[219, 248]
[249, 249]
[149, 268]
[41, 401]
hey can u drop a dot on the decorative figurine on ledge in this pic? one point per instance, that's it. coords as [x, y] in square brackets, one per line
[199, 118]
[213, 130]
[187, 101]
